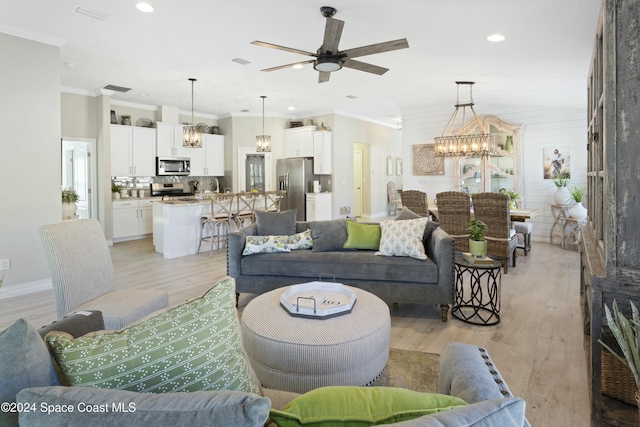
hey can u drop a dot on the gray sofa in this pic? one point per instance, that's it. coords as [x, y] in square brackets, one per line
[394, 279]
[466, 371]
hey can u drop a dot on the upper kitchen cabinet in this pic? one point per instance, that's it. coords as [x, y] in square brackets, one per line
[208, 160]
[169, 142]
[133, 151]
[492, 173]
[322, 153]
[298, 142]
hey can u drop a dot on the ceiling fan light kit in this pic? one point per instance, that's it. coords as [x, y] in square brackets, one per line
[463, 145]
[329, 58]
[192, 137]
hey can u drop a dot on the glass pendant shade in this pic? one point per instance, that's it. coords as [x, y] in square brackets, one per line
[192, 138]
[263, 142]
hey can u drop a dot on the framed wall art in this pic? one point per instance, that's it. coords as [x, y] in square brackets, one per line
[389, 165]
[557, 161]
[398, 165]
[425, 162]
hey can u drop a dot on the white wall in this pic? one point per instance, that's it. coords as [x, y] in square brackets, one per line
[542, 127]
[31, 146]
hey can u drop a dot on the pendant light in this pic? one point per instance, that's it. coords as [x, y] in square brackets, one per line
[263, 142]
[192, 138]
[463, 145]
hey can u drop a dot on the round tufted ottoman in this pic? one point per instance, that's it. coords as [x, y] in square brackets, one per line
[299, 354]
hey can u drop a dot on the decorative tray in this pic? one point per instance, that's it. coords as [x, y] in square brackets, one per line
[318, 300]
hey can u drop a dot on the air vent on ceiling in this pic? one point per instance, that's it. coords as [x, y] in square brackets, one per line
[352, 97]
[240, 61]
[244, 110]
[91, 13]
[117, 88]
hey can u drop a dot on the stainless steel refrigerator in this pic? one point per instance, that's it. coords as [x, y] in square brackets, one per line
[295, 177]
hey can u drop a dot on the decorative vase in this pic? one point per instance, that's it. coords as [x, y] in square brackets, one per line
[69, 210]
[478, 248]
[126, 122]
[513, 204]
[508, 145]
[116, 195]
[562, 196]
[578, 211]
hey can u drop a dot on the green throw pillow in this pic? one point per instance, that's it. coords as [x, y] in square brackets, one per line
[363, 236]
[349, 406]
[192, 346]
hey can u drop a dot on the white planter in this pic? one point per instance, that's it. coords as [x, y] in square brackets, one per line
[69, 210]
[578, 211]
[562, 196]
[478, 248]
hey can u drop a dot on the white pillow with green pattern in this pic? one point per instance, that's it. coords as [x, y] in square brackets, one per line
[193, 346]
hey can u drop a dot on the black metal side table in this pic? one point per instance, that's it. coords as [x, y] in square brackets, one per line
[477, 303]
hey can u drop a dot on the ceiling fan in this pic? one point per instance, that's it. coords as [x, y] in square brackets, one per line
[328, 58]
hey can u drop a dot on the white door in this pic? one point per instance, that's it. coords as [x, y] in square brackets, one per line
[357, 183]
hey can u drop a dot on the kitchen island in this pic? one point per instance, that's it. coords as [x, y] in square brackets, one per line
[176, 225]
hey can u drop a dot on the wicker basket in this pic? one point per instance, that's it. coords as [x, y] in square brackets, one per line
[617, 379]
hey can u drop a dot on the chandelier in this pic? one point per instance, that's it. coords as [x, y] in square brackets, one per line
[463, 145]
[192, 138]
[263, 142]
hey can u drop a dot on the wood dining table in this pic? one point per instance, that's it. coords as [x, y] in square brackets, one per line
[517, 215]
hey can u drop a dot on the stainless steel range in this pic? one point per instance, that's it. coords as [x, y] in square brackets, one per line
[172, 191]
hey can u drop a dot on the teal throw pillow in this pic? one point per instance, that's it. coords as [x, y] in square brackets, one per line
[193, 346]
[351, 406]
[363, 236]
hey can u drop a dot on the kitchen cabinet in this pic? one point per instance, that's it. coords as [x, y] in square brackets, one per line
[298, 142]
[133, 151]
[322, 153]
[169, 141]
[318, 206]
[132, 218]
[208, 160]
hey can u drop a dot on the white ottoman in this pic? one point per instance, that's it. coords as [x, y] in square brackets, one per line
[298, 354]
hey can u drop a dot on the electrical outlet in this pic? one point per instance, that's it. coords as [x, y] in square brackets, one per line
[5, 264]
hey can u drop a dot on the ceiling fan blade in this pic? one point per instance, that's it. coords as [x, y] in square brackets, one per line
[363, 66]
[375, 48]
[281, 67]
[323, 77]
[332, 34]
[286, 49]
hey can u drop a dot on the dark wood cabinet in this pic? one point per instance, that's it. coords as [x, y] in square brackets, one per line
[610, 248]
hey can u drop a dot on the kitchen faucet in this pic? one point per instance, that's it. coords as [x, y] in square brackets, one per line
[217, 190]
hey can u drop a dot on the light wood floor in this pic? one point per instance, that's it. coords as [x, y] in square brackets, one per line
[538, 346]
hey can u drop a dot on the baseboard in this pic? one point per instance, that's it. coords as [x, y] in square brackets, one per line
[13, 291]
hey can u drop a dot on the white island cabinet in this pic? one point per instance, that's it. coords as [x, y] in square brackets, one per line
[176, 226]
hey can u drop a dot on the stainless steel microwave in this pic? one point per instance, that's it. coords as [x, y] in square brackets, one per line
[173, 166]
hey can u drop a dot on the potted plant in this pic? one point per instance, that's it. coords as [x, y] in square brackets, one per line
[115, 189]
[69, 199]
[627, 333]
[562, 196]
[477, 243]
[578, 211]
[126, 119]
[513, 204]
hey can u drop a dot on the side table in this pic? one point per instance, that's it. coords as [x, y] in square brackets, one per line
[477, 303]
[560, 214]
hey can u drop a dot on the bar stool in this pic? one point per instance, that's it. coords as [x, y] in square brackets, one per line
[245, 209]
[272, 200]
[525, 229]
[218, 221]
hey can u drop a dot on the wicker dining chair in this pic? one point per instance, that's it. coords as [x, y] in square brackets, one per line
[454, 213]
[416, 201]
[493, 210]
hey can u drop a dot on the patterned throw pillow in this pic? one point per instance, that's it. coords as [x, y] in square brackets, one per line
[265, 245]
[301, 240]
[403, 238]
[193, 346]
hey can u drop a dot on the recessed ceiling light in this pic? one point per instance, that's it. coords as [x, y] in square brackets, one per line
[297, 66]
[495, 38]
[144, 7]
[292, 108]
[144, 94]
[352, 97]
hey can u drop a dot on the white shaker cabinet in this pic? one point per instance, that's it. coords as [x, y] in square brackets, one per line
[318, 206]
[133, 151]
[298, 142]
[208, 160]
[322, 153]
[132, 218]
[169, 142]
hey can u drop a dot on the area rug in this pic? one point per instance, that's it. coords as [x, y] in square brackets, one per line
[412, 370]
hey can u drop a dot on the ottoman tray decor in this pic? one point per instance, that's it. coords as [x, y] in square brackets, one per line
[318, 300]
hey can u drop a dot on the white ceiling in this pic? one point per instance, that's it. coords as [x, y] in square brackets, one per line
[543, 61]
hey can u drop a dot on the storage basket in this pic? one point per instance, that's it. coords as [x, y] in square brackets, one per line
[617, 379]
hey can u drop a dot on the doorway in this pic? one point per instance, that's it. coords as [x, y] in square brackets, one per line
[79, 173]
[357, 183]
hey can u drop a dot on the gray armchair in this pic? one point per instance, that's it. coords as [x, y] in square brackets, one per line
[83, 278]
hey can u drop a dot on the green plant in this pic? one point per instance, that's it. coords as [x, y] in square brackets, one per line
[476, 229]
[577, 192]
[561, 180]
[627, 333]
[69, 195]
[115, 188]
[512, 195]
[125, 116]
